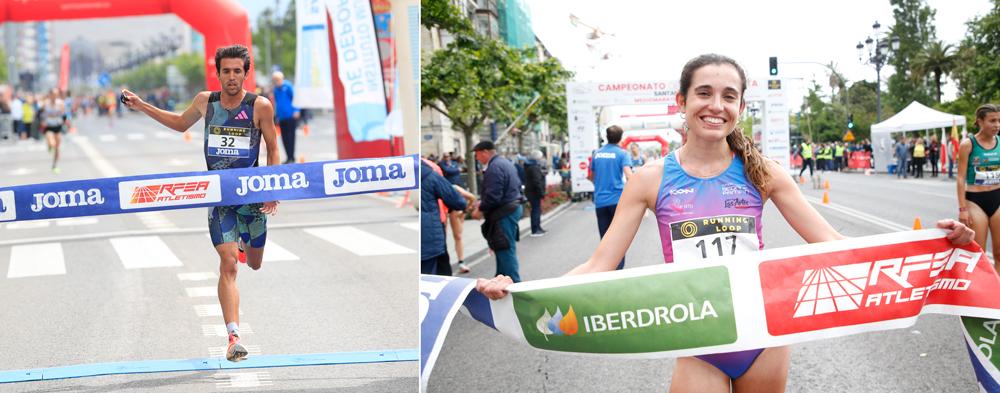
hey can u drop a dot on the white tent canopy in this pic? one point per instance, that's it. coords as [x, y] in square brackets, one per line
[916, 116]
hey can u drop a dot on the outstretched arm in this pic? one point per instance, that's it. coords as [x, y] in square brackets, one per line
[179, 122]
[813, 228]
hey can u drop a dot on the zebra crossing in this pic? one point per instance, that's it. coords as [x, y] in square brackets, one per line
[150, 252]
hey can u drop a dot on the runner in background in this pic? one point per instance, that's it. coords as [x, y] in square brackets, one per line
[53, 123]
[718, 176]
[610, 167]
[235, 123]
[979, 179]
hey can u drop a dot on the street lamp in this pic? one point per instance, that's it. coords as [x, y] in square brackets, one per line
[878, 54]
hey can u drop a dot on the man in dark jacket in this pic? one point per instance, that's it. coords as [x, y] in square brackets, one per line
[432, 243]
[500, 206]
[534, 190]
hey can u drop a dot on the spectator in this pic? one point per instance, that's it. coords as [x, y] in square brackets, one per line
[610, 168]
[433, 248]
[17, 114]
[287, 115]
[534, 190]
[637, 160]
[456, 218]
[500, 207]
[934, 154]
[919, 154]
[902, 157]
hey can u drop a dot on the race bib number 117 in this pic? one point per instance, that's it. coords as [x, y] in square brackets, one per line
[710, 237]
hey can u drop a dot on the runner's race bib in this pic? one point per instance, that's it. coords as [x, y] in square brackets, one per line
[712, 237]
[988, 175]
[224, 141]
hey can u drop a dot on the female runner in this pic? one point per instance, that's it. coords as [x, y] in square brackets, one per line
[717, 174]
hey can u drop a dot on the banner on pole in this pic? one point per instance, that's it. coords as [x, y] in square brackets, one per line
[312, 57]
[359, 68]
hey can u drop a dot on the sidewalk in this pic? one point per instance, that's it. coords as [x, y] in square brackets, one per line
[475, 244]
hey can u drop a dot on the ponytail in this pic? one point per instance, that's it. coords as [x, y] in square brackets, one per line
[754, 163]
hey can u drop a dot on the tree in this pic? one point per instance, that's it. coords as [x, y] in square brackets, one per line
[471, 80]
[977, 70]
[441, 14]
[282, 40]
[546, 80]
[936, 60]
[914, 26]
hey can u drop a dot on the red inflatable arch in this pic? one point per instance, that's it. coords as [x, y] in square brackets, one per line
[664, 145]
[221, 22]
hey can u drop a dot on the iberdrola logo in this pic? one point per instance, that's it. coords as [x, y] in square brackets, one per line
[558, 324]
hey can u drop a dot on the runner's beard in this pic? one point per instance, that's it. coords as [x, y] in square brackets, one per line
[232, 90]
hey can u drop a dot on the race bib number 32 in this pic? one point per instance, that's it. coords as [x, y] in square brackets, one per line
[229, 141]
[708, 237]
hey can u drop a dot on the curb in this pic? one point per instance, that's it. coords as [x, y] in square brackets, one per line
[476, 256]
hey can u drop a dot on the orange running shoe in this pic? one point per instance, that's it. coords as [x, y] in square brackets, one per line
[235, 352]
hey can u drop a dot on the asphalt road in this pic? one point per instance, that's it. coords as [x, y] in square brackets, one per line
[339, 276]
[928, 357]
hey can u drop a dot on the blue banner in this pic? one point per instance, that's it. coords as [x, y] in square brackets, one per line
[132, 194]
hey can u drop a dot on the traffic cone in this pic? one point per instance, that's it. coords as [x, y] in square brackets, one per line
[826, 198]
[187, 136]
[302, 159]
[826, 184]
[305, 130]
[802, 180]
[916, 224]
[277, 130]
[72, 130]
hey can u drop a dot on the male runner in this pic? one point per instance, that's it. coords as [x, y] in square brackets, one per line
[245, 118]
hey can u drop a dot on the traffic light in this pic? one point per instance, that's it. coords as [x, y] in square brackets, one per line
[850, 121]
[773, 62]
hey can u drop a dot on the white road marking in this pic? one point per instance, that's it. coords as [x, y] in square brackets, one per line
[135, 136]
[178, 162]
[32, 260]
[210, 310]
[29, 224]
[220, 330]
[155, 220]
[77, 221]
[144, 252]
[202, 291]
[197, 276]
[274, 253]
[20, 172]
[219, 352]
[410, 225]
[102, 164]
[242, 380]
[894, 227]
[107, 138]
[358, 242]
[23, 147]
[165, 135]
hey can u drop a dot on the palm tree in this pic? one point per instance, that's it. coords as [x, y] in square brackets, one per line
[937, 59]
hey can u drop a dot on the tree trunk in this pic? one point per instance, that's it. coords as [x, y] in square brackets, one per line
[470, 161]
[937, 85]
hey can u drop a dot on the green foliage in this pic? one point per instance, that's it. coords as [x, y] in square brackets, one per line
[443, 15]
[935, 60]
[153, 75]
[475, 79]
[282, 40]
[977, 70]
[914, 26]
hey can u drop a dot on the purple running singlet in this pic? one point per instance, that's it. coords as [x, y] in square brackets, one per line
[705, 218]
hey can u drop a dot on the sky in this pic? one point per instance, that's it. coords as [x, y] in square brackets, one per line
[654, 38]
[255, 7]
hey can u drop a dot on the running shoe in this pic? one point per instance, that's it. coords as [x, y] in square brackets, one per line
[235, 352]
[538, 234]
[243, 255]
[56, 170]
[462, 269]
